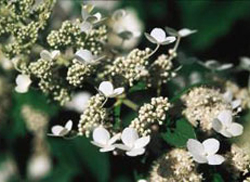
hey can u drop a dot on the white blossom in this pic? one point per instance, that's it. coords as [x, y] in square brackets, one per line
[132, 144]
[186, 32]
[85, 56]
[228, 96]
[78, 102]
[245, 63]
[205, 152]
[60, 131]
[224, 125]
[158, 36]
[216, 66]
[49, 56]
[103, 140]
[23, 82]
[107, 89]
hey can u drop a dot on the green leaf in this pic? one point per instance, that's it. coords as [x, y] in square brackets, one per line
[178, 136]
[138, 87]
[217, 178]
[227, 13]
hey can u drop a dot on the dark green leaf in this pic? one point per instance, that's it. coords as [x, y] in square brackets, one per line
[178, 136]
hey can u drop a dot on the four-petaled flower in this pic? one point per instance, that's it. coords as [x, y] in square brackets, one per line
[103, 140]
[23, 82]
[49, 56]
[132, 144]
[60, 131]
[224, 125]
[205, 152]
[107, 89]
[158, 36]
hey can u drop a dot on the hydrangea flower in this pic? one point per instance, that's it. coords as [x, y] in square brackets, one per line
[107, 89]
[103, 140]
[228, 96]
[132, 144]
[23, 82]
[186, 32]
[224, 125]
[85, 56]
[78, 102]
[49, 56]
[158, 36]
[60, 131]
[205, 152]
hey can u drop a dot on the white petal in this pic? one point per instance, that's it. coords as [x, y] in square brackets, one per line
[142, 142]
[129, 136]
[199, 158]
[86, 27]
[23, 80]
[225, 67]
[235, 129]
[211, 146]
[45, 55]
[225, 117]
[84, 55]
[20, 89]
[150, 38]
[55, 54]
[118, 91]
[136, 152]
[57, 130]
[168, 40]
[185, 32]
[106, 88]
[226, 133]
[98, 16]
[158, 34]
[122, 147]
[195, 147]
[101, 136]
[236, 103]
[215, 159]
[98, 144]
[228, 96]
[107, 149]
[217, 125]
[69, 125]
[114, 139]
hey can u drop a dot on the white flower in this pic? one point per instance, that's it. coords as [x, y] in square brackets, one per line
[107, 89]
[215, 65]
[186, 32]
[224, 125]
[39, 166]
[102, 139]
[228, 96]
[132, 143]
[61, 131]
[46, 55]
[245, 63]
[205, 152]
[23, 82]
[78, 102]
[85, 56]
[158, 36]
[142, 180]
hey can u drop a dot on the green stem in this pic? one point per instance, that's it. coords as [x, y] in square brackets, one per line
[177, 44]
[130, 104]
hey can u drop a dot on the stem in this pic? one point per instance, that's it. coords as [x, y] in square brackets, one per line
[130, 104]
[177, 44]
[156, 48]
[106, 99]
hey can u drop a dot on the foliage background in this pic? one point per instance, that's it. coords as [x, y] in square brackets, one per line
[223, 34]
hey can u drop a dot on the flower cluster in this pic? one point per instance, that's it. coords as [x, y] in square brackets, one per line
[131, 68]
[93, 116]
[176, 165]
[203, 105]
[150, 114]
